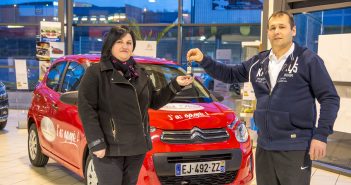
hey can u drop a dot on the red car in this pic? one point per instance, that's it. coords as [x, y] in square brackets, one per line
[196, 140]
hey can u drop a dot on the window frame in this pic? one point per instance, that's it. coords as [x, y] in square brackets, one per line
[65, 73]
[58, 90]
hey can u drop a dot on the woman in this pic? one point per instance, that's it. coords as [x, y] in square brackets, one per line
[113, 101]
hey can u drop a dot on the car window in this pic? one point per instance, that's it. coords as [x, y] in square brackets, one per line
[55, 75]
[161, 75]
[72, 78]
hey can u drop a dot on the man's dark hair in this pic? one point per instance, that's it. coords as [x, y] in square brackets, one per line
[282, 13]
[112, 36]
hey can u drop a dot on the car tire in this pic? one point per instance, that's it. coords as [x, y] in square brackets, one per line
[89, 172]
[3, 125]
[36, 157]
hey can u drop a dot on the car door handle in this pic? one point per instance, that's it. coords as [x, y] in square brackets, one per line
[54, 106]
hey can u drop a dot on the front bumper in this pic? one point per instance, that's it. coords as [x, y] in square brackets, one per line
[165, 166]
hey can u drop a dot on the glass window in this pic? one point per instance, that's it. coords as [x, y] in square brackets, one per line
[8, 77]
[222, 11]
[124, 11]
[18, 41]
[222, 43]
[8, 73]
[89, 39]
[74, 73]
[30, 11]
[211, 39]
[55, 75]
[310, 25]
[32, 73]
[313, 24]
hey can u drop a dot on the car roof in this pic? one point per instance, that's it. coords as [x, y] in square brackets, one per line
[95, 58]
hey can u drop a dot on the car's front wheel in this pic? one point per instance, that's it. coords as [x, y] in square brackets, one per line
[36, 157]
[3, 125]
[90, 175]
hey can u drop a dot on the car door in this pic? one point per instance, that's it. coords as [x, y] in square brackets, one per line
[70, 135]
[44, 98]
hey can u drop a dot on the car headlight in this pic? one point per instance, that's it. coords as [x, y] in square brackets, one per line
[152, 129]
[232, 124]
[241, 133]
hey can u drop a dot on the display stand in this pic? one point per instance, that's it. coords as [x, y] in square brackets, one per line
[248, 106]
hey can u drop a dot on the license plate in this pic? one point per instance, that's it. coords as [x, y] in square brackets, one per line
[199, 168]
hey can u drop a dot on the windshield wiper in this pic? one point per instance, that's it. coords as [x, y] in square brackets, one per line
[184, 99]
[181, 101]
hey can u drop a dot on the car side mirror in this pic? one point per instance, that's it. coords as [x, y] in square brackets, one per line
[70, 98]
[217, 96]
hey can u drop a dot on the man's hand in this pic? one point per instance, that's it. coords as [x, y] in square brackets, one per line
[100, 153]
[194, 55]
[318, 149]
[184, 80]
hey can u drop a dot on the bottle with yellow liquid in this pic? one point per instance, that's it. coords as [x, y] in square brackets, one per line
[248, 104]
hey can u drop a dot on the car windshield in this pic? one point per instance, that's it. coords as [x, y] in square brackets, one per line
[161, 75]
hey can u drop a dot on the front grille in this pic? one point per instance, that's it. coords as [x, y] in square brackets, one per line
[199, 158]
[195, 135]
[208, 179]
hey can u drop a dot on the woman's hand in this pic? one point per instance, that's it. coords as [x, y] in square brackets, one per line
[184, 80]
[100, 153]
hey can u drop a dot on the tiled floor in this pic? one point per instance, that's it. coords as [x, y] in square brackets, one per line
[15, 167]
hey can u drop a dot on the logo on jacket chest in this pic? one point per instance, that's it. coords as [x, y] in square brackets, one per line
[259, 72]
[260, 78]
[288, 72]
[292, 68]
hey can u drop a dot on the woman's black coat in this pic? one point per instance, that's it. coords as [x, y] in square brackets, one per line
[114, 111]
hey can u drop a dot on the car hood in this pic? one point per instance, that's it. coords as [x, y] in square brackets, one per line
[184, 116]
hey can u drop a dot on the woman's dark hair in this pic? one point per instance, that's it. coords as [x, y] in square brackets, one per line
[112, 36]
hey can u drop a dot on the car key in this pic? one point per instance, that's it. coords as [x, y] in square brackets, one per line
[189, 69]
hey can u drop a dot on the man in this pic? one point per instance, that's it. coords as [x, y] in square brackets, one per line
[287, 80]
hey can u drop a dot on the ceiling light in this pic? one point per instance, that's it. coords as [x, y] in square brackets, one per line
[15, 26]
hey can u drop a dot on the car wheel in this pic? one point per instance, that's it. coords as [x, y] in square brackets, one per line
[3, 124]
[90, 175]
[36, 157]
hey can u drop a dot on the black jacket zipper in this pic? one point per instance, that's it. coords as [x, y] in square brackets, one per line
[267, 109]
[114, 130]
[141, 115]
